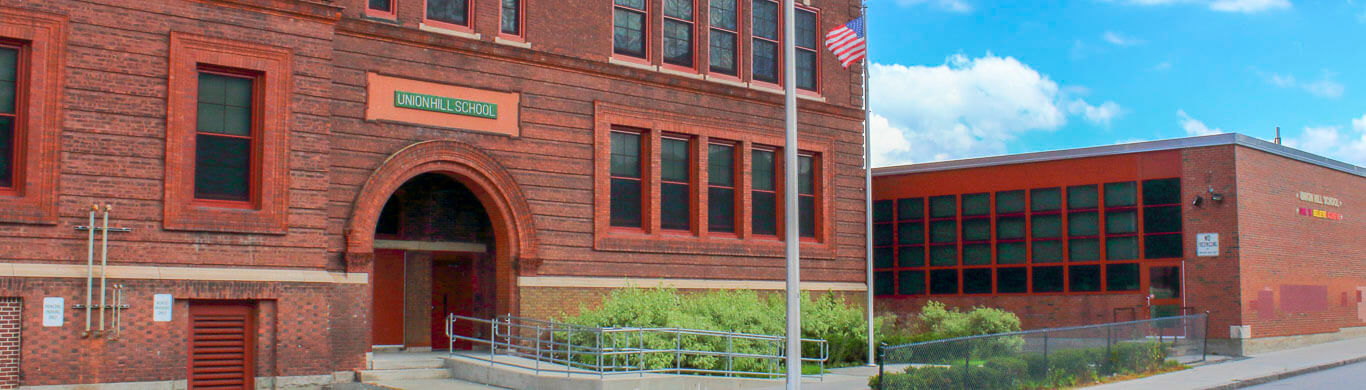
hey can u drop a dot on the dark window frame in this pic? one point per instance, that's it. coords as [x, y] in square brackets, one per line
[776, 41]
[814, 196]
[18, 121]
[391, 14]
[1146, 208]
[520, 14]
[736, 175]
[777, 194]
[815, 50]
[736, 54]
[468, 27]
[641, 178]
[689, 164]
[692, 65]
[254, 139]
[644, 55]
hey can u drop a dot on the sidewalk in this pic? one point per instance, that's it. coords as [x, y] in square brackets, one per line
[1254, 369]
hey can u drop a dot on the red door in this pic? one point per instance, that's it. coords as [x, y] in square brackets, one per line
[222, 345]
[453, 288]
[386, 294]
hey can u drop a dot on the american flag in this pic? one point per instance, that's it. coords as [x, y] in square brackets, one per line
[847, 42]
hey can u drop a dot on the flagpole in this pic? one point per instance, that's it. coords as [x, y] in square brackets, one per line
[790, 227]
[868, 189]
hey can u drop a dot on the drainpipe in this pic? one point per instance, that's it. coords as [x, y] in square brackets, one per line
[90, 269]
[104, 263]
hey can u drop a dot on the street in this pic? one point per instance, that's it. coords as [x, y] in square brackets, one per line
[1345, 377]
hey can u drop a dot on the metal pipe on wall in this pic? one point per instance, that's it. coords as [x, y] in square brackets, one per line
[90, 269]
[104, 262]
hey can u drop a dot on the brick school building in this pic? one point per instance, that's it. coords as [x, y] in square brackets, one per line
[1269, 239]
[292, 185]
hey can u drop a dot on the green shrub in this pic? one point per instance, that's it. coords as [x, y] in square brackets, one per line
[826, 316]
[1137, 357]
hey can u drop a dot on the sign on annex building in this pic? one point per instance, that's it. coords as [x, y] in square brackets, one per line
[395, 99]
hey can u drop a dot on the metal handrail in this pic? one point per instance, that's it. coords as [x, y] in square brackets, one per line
[1048, 330]
[620, 350]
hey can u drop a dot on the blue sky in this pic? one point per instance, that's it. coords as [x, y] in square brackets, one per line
[969, 78]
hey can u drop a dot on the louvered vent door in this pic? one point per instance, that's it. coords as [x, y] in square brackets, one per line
[221, 346]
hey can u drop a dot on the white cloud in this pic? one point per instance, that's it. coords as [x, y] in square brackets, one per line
[1248, 6]
[1098, 115]
[966, 107]
[1194, 127]
[1324, 88]
[1239, 6]
[959, 6]
[1118, 39]
[1334, 141]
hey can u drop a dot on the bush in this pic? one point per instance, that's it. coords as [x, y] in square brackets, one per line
[1064, 368]
[936, 321]
[826, 316]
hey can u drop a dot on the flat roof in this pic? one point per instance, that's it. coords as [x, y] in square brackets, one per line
[1137, 147]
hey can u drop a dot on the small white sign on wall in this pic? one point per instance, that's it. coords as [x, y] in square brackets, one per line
[54, 311]
[1207, 244]
[161, 307]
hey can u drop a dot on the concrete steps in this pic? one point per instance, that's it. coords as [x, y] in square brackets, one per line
[373, 376]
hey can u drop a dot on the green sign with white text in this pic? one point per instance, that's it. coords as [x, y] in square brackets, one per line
[447, 105]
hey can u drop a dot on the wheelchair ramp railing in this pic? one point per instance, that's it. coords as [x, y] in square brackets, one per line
[558, 347]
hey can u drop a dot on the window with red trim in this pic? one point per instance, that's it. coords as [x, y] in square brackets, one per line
[1162, 219]
[1121, 221]
[721, 215]
[943, 240]
[626, 169]
[764, 46]
[225, 136]
[808, 68]
[452, 12]
[763, 192]
[806, 195]
[884, 249]
[679, 28]
[11, 118]
[628, 27]
[675, 183]
[724, 37]
[511, 17]
[381, 8]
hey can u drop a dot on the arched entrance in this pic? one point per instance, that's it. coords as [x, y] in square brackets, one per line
[440, 227]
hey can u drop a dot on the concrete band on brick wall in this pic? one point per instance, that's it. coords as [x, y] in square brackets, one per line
[32, 270]
[686, 284]
[262, 382]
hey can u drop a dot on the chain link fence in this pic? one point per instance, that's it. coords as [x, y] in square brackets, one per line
[1045, 358]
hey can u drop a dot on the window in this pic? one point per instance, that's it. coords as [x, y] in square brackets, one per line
[675, 189]
[9, 115]
[764, 195]
[721, 188]
[1068, 239]
[628, 31]
[884, 253]
[724, 37]
[626, 180]
[807, 51]
[1121, 216]
[449, 12]
[1162, 219]
[511, 21]
[806, 195]
[224, 145]
[678, 32]
[380, 8]
[1083, 223]
[1045, 223]
[764, 46]
[1010, 228]
[227, 143]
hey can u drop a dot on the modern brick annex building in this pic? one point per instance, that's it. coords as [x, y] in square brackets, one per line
[1269, 239]
[308, 180]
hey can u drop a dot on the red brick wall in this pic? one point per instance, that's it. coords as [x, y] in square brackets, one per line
[1300, 274]
[10, 310]
[1212, 283]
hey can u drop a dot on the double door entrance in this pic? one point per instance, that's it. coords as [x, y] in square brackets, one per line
[414, 291]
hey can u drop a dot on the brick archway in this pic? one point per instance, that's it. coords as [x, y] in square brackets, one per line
[514, 235]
